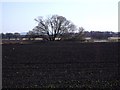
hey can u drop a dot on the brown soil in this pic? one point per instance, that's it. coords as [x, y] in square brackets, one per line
[60, 64]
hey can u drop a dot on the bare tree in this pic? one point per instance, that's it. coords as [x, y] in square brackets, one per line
[17, 35]
[54, 27]
[30, 35]
[80, 34]
[9, 35]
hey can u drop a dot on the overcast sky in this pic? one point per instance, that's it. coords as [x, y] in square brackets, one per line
[92, 15]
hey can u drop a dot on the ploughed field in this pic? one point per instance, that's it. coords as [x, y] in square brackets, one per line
[60, 64]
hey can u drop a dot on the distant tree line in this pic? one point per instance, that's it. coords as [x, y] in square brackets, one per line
[10, 35]
[92, 34]
[101, 35]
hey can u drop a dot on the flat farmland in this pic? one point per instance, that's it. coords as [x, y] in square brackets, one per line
[60, 65]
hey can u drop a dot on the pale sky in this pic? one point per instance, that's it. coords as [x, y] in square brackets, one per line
[92, 15]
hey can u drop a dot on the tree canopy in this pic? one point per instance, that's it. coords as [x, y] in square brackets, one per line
[55, 27]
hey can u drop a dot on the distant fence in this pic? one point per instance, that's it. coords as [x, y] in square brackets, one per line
[27, 41]
[17, 41]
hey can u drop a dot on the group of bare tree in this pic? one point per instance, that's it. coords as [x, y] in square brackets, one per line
[10, 35]
[58, 27]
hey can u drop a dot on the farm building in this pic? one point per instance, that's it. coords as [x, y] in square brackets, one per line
[114, 39]
[88, 39]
